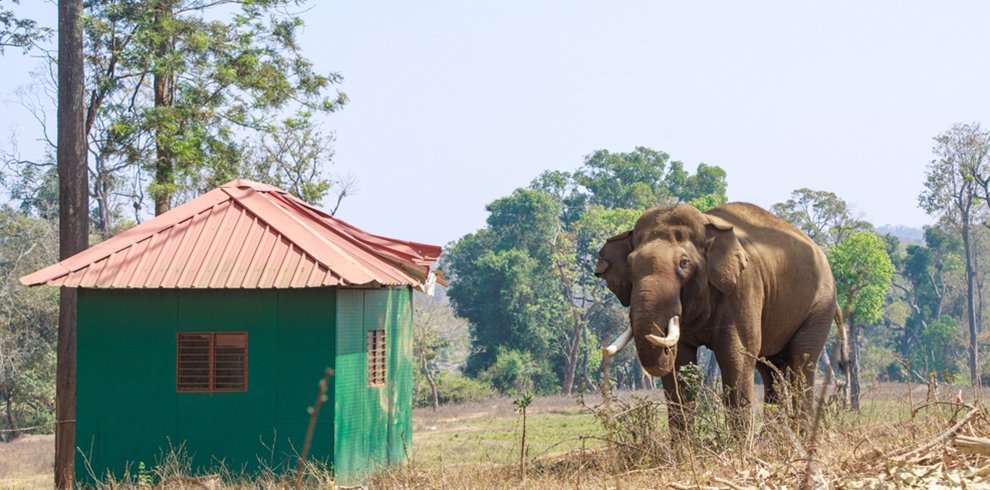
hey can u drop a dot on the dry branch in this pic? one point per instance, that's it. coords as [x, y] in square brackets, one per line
[972, 445]
[907, 454]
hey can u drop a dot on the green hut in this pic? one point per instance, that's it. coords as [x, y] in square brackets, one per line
[207, 329]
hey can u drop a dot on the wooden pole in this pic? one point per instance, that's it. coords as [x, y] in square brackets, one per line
[73, 224]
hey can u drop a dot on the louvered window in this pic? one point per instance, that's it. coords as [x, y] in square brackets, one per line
[211, 361]
[376, 357]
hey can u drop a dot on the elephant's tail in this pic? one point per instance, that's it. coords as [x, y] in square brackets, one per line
[843, 342]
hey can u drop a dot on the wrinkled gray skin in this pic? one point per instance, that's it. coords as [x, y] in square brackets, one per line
[743, 283]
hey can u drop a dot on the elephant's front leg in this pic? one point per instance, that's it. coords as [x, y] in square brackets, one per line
[737, 360]
[678, 399]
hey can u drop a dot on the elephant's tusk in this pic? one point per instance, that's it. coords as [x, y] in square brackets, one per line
[618, 344]
[673, 334]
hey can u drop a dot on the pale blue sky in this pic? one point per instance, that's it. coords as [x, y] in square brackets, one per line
[454, 104]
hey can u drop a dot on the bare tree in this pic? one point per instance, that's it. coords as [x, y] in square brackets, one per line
[73, 223]
[437, 329]
[951, 192]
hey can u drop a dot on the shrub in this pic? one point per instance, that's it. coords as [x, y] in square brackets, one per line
[451, 388]
[512, 373]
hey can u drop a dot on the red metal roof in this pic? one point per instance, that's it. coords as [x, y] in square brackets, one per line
[243, 235]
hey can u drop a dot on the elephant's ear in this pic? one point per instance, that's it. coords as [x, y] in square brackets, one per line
[613, 266]
[726, 257]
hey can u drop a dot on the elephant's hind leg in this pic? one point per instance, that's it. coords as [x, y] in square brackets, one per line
[802, 356]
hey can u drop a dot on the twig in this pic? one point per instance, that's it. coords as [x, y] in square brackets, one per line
[904, 455]
[972, 445]
[314, 412]
[680, 486]
[22, 429]
[728, 483]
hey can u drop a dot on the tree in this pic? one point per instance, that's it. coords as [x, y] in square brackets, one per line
[951, 192]
[641, 179]
[295, 160]
[19, 32]
[73, 224]
[180, 90]
[28, 324]
[437, 330]
[525, 282]
[502, 282]
[824, 216]
[863, 273]
[925, 278]
[211, 79]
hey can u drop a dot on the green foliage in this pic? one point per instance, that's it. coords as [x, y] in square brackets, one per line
[18, 32]
[941, 347]
[863, 273]
[641, 179]
[526, 282]
[824, 216]
[28, 322]
[512, 373]
[184, 95]
[523, 402]
[951, 182]
[292, 158]
[707, 409]
[452, 388]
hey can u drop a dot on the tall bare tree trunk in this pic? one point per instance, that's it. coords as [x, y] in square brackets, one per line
[73, 213]
[854, 389]
[164, 79]
[974, 348]
[11, 421]
[572, 354]
[433, 384]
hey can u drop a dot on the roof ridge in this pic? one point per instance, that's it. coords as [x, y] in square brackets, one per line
[296, 237]
[362, 246]
[242, 234]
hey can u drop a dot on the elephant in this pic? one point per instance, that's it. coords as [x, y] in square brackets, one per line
[736, 279]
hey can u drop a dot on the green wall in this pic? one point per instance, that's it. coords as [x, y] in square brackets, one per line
[374, 424]
[128, 410]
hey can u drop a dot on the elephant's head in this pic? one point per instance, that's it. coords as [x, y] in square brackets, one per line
[677, 262]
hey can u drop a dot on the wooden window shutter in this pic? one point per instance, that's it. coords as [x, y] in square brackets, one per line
[376, 357]
[208, 362]
[230, 362]
[194, 363]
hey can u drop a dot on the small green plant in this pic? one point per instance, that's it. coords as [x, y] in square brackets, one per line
[707, 411]
[144, 475]
[522, 403]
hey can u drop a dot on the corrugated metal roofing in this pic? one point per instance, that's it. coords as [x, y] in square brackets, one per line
[243, 235]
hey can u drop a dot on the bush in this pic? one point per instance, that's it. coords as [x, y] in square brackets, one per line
[512, 373]
[451, 388]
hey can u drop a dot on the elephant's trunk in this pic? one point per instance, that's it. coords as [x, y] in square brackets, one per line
[656, 345]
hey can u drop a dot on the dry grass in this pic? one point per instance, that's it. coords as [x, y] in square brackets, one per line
[893, 442]
[888, 444]
[27, 462]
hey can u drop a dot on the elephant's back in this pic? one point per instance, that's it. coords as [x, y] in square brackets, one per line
[762, 229]
[785, 266]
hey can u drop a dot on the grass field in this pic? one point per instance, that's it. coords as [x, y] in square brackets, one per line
[477, 445]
